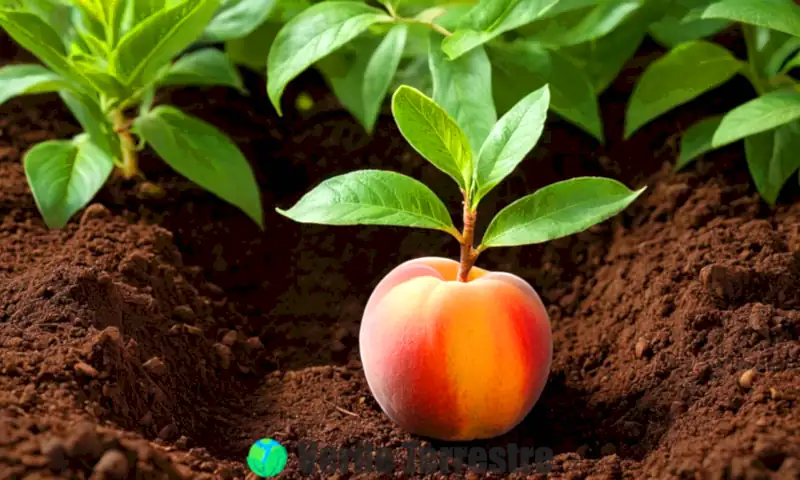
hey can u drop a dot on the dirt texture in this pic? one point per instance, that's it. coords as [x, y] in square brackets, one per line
[160, 337]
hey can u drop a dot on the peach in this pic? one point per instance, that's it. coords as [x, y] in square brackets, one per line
[455, 360]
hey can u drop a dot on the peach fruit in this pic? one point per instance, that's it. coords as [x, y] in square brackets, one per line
[455, 360]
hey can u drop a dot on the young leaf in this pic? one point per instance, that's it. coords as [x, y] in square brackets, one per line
[208, 66]
[152, 44]
[671, 31]
[696, 140]
[238, 18]
[344, 72]
[138, 11]
[490, 18]
[772, 158]
[463, 87]
[64, 176]
[758, 115]
[602, 59]
[251, 51]
[372, 197]
[201, 153]
[433, 133]
[27, 80]
[511, 139]
[679, 76]
[380, 70]
[558, 210]
[522, 66]
[578, 26]
[89, 114]
[33, 34]
[310, 36]
[781, 15]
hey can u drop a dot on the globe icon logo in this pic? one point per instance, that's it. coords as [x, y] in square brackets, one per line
[267, 458]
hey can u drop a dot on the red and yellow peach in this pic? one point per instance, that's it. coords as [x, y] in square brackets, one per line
[455, 360]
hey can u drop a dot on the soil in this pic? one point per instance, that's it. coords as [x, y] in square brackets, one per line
[160, 337]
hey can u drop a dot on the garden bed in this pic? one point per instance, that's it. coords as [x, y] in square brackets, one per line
[174, 331]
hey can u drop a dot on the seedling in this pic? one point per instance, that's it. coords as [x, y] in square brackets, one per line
[450, 350]
[768, 124]
[462, 54]
[105, 65]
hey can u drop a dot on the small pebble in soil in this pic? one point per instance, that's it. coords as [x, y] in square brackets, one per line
[155, 366]
[82, 368]
[224, 353]
[56, 454]
[642, 348]
[168, 432]
[184, 312]
[747, 378]
[112, 466]
[84, 442]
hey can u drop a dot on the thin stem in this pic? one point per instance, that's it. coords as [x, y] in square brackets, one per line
[436, 28]
[752, 71]
[130, 160]
[468, 252]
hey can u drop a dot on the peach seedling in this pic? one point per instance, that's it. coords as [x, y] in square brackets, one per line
[452, 351]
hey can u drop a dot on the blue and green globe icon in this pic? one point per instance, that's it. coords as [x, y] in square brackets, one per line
[267, 458]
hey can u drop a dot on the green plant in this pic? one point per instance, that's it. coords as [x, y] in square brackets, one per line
[105, 58]
[379, 197]
[769, 124]
[461, 54]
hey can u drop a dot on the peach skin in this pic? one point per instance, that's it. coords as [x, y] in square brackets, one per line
[455, 360]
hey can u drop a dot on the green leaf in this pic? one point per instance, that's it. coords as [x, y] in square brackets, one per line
[64, 176]
[238, 18]
[781, 15]
[344, 72]
[310, 36]
[794, 62]
[696, 140]
[671, 30]
[251, 51]
[372, 197]
[208, 66]
[138, 11]
[759, 115]
[511, 139]
[578, 26]
[558, 210]
[432, 132]
[772, 158]
[602, 59]
[89, 114]
[491, 18]
[204, 155]
[463, 87]
[679, 76]
[27, 80]
[36, 36]
[523, 66]
[152, 44]
[380, 71]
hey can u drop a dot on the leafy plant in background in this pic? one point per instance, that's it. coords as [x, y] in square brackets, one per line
[375, 197]
[768, 124]
[476, 60]
[105, 58]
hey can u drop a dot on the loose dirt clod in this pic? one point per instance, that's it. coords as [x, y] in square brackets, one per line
[112, 466]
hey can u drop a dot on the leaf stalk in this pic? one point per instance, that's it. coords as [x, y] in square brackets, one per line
[130, 158]
[468, 252]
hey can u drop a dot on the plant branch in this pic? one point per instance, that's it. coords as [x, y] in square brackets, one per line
[436, 28]
[130, 160]
[751, 73]
[468, 252]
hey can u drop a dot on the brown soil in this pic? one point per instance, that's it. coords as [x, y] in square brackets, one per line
[159, 338]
